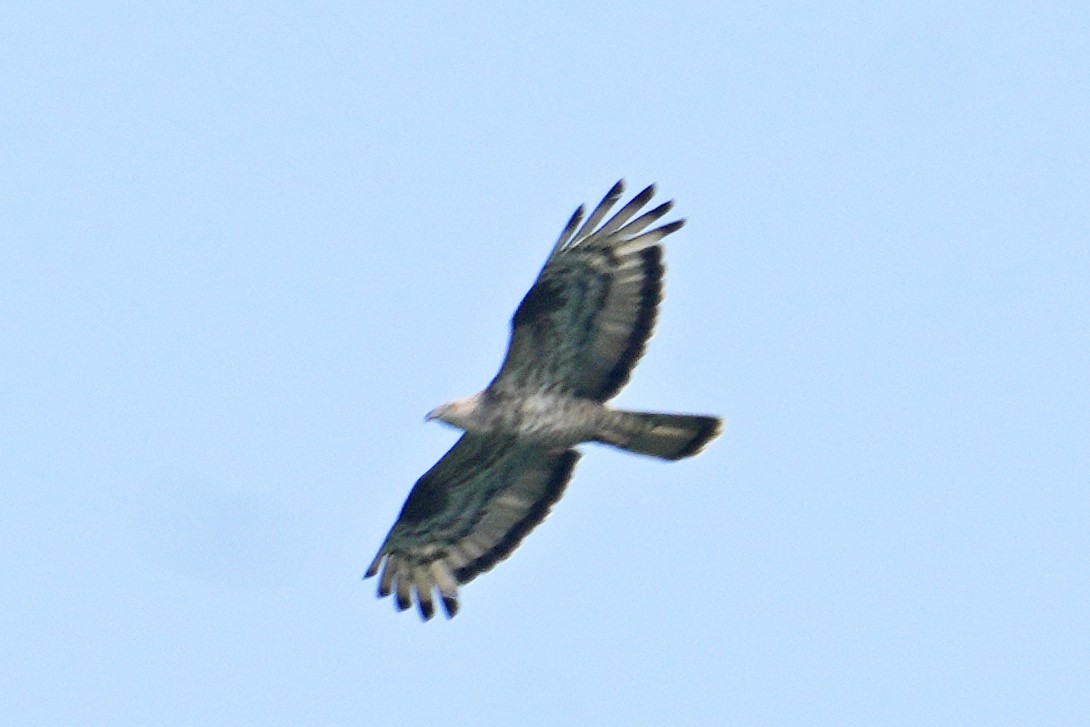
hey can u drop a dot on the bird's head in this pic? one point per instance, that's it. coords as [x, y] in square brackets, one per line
[460, 413]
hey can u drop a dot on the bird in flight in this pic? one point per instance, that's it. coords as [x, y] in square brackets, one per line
[575, 339]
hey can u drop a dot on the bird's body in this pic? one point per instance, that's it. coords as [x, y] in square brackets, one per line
[575, 338]
[561, 420]
[544, 418]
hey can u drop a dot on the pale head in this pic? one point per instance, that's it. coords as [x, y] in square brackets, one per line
[460, 413]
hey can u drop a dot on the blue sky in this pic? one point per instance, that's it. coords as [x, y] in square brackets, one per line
[246, 248]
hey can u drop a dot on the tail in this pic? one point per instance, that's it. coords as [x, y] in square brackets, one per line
[667, 436]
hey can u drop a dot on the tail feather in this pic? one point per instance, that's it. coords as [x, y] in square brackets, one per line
[667, 436]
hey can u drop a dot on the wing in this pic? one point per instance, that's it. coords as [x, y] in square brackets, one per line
[586, 320]
[466, 514]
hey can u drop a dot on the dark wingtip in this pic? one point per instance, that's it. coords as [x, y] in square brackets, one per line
[672, 227]
[644, 196]
[575, 219]
[662, 209]
[427, 608]
[600, 210]
[450, 605]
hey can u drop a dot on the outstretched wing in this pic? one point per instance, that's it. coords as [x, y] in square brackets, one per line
[466, 514]
[586, 320]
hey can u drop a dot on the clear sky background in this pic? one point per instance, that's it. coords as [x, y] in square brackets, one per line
[245, 248]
